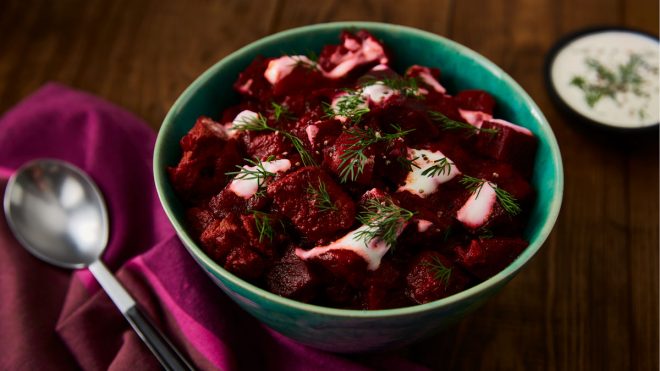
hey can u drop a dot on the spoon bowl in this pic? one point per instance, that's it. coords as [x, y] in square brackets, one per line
[58, 214]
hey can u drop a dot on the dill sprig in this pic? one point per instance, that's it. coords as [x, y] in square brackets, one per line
[321, 197]
[484, 233]
[353, 159]
[263, 223]
[258, 172]
[408, 86]
[449, 124]
[260, 123]
[506, 199]
[440, 271]
[280, 110]
[384, 220]
[609, 83]
[350, 105]
[440, 167]
[311, 63]
[407, 164]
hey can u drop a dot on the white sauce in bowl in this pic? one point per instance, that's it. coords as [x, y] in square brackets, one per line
[610, 77]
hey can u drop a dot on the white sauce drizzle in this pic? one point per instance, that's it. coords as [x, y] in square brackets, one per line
[515, 127]
[423, 225]
[312, 131]
[475, 118]
[372, 252]
[423, 185]
[429, 80]
[368, 51]
[246, 188]
[478, 207]
[377, 92]
[281, 67]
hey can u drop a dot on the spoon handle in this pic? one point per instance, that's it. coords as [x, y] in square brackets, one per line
[155, 340]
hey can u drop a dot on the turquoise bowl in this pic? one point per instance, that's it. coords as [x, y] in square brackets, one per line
[341, 330]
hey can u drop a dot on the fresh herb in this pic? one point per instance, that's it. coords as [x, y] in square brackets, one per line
[408, 164]
[506, 199]
[440, 167]
[350, 105]
[484, 233]
[280, 110]
[256, 172]
[440, 271]
[449, 124]
[609, 83]
[260, 123]
[308, 61]
[354, 159]
[408, 86]
[263, 223]
[321, 197]
[384, 220]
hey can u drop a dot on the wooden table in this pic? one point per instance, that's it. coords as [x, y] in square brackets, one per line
[588, 300]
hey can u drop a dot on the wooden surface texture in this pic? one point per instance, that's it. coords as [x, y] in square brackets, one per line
[587, 301]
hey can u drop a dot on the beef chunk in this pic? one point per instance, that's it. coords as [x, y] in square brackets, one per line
[293, 197]
[484, 258]
[432, 276]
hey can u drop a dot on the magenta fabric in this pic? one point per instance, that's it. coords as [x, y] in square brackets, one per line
[51, 318]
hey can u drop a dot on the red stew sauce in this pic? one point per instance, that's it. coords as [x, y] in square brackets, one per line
[340, 182]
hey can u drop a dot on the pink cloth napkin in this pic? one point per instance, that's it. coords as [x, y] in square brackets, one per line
[51, 318]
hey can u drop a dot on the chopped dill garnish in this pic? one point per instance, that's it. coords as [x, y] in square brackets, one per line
[280, 110]
[440, 271]
[321, 197]
[609, 83]
[440, 167]
[484, 233]
[408, 86]
[263, 223]
[353, 159]
[350, 105]
[506, 199]
[311, 61]
[384, 220]
[260, 123]
[449, 124]
[258, 172]
[407, 163]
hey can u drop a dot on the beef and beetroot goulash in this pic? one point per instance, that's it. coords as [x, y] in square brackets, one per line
[339, 182]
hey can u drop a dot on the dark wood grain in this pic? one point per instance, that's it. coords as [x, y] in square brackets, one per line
[589, 300]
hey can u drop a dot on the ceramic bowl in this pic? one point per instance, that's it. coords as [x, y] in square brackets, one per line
[341, 330]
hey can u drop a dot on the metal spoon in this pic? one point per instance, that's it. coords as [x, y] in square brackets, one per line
[58, 214]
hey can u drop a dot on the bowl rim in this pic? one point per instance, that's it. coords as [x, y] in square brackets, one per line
[491, 283]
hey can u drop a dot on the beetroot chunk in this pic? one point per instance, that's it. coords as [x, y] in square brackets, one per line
[484, 258]
[297, 197]
[220, 236]
[291, 278]
[511, 143]
[207, 155]
[432, 276]
[245, 263]
[476, 100]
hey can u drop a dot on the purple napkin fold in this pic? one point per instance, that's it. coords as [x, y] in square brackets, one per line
[51, 318]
